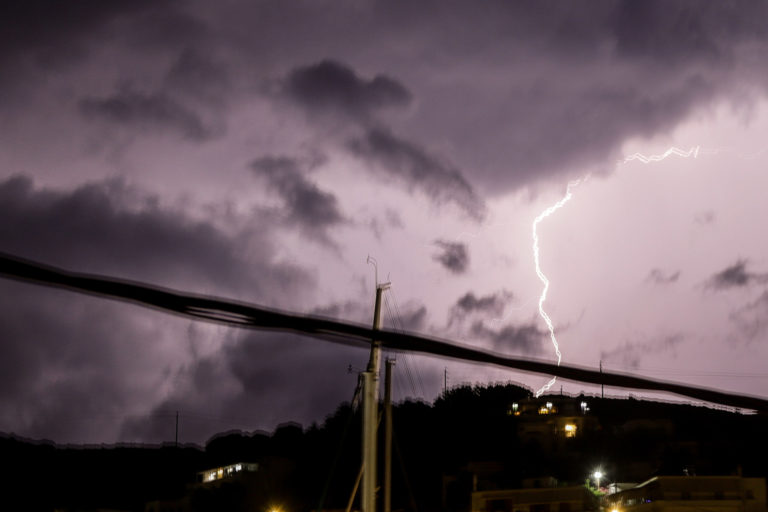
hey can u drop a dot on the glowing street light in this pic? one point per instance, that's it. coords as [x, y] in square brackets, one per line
[598, 475]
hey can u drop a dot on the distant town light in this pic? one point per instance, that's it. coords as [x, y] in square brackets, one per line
[211, 475]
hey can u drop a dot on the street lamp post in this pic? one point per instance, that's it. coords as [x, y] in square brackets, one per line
[598, 475]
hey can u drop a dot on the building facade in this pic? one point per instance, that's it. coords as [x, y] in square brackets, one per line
[689, 493]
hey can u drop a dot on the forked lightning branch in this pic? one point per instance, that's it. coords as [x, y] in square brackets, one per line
[646, 159]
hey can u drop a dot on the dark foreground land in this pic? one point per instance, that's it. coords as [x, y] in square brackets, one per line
[469, 439]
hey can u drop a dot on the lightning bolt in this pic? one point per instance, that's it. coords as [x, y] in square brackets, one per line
[693, 152]
[543, 297]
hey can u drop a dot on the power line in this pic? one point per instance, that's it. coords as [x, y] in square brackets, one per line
[694, 373]
[255, 317]
[406, 366]
[402, 329]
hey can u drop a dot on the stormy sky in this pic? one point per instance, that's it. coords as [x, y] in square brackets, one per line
[262, 150]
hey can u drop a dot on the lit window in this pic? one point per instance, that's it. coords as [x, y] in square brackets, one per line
[238, 467]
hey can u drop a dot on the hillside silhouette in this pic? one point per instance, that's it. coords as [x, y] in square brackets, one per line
[471, 438]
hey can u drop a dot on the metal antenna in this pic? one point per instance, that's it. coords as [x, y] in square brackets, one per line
[372, 261]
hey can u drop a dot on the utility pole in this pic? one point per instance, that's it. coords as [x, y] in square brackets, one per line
[370, 411]
[602, 386]
[177, 429]
[445, 380]
[388, 435]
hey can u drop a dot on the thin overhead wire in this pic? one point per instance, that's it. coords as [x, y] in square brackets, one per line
[255, 317]
[402, 330]
[406, 366]
[691, 372]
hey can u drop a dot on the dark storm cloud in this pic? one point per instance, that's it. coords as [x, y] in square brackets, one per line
[255, 383]
[332, 87]
[138, 110]
[413, 320]
[97, 228]
[493, 303]
[71, 365]
[50, 27]
[752, 319]
[349, 310]
[454, 256]
[672, 32]
[311, 208]
[556, 87]
[489, 305]
[41, 36]
[526, 339]
[631, 352]
[198, 74]
[735, 276]
[658, 276]
[414, 165]
[520, 91]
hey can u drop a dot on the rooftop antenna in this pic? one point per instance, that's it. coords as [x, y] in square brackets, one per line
[372, 261]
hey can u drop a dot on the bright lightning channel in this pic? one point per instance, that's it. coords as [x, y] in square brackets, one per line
[693, 152]
[543, 297]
